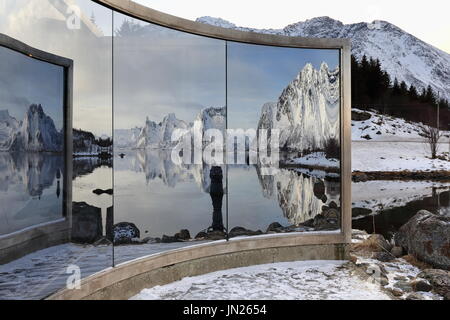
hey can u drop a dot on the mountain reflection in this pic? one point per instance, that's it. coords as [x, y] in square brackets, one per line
[299, 195]
[30, 183]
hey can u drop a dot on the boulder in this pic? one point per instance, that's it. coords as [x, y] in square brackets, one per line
[125, 233]
[404, 286]
[201, 235]
[87, 225]
[240, 231]
[383, 256]
[427, 237]
[359, 177]
[170, 239]
[439, 280]
[275, 227]
[183, 235]
[216, 235]
[415, 296]
[319, 189]
[421, 285]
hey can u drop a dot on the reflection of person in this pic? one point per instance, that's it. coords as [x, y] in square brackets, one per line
[216, 192]
[58, 190]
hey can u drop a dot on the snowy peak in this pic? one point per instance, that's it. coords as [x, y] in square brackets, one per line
[401, 54]
[159, 135]
[325, 26]
[8, 126]
[37, 133]
[307, 111]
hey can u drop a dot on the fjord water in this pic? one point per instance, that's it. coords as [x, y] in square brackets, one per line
[31, 190]
[162, 198]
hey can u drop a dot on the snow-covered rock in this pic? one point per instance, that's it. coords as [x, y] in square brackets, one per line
[401, 54]
[36, 133]
[8, 126]
[124, 138]
[307, 111]
[159, 135]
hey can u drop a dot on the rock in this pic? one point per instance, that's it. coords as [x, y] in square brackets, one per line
[396, 292]
[333, 205]
[319, 189]
[359, 176]
[405, 286]
[100, 191]
[321, 223]
[360, 212]
[240, 231]
[308, 223]
[397, 252]
[383, 256]
[421, 285]
[275, 227]
[367, 137]
[332, 214]
[216, 235]
[360, 116]
[170, 239]
[378, 133]
[125, 232]
[151, 240]
[201, 235]
[377, 273]
[427, 237]
[87, 225]
[414, 296]
[439, 280]
[183, 235]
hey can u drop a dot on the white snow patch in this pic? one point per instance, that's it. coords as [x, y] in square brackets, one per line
[303, 280]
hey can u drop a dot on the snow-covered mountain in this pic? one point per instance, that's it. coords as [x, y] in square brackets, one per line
[126, 137]
[8, 126]
[307, 111]
[209, 118]
[401, 54]
[295, 195]
[36, 133]
[159, 135]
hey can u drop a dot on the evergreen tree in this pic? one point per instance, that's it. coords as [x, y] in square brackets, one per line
[412, 92]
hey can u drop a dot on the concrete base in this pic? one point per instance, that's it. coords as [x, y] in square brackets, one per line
[127, 280]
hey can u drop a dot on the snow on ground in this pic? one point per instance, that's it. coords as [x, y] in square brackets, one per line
[381, 195]
[316, 159]
[302, 280]
[395, 145]
[387, 128]
[369, 156]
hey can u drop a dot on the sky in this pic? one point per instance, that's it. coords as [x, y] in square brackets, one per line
[27, 81]
[429, 21]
